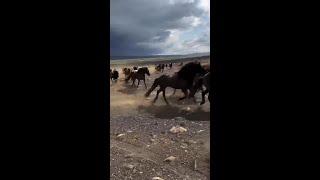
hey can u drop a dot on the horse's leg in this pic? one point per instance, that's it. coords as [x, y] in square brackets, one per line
[133, 81]
[138, 83]
[174, 92]
[145, 83]
[203, 96]
[156, 96]
[185, 94]
[194, 97]
[164, 95]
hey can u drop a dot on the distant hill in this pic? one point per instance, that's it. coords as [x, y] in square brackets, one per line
[158, 56]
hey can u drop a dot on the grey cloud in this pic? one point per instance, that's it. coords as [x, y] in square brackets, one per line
[140, 21]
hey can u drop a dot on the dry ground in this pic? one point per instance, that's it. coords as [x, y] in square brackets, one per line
[140, 136]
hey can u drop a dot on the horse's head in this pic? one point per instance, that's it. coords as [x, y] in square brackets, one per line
[198, 69]
[146, 71]
[191, 69]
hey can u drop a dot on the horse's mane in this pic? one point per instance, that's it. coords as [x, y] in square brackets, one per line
[142, 70]
[187, 72]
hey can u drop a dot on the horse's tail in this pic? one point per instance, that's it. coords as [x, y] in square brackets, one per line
[154, 85]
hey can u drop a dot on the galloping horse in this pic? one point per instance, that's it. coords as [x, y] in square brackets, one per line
[202, 81]
[139, 75]
[181, 80]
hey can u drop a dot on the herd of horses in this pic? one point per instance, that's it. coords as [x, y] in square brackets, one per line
[160, 67]
[191, 78]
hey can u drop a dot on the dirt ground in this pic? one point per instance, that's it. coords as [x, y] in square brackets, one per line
[140, 132]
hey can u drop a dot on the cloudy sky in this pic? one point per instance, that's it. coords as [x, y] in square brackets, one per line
[153, 27]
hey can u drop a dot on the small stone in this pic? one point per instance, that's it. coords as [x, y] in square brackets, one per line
[129, 166]
[157, 178]
[120, 135]
[200, 131]
[170, 159]
[154, 136]
[177, 129]
[191, 142]
[184, 145]
[128, 156]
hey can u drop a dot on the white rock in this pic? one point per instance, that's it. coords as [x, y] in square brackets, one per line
[177, 129]
[129, 155]
[129, 166]
[170, 158]
[157, 178]
[119, 135]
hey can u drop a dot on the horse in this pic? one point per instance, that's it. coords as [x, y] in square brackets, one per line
[206, 67]
[126, 72]
[114, 75]
[158, 68]
[181, 80]
[184, 73]
[139, 75]
[189, 71]
[202, 81]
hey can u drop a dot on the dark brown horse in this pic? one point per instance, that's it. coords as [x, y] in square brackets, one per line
[126, 72]
[158, 67]
[181, 80]
[202, 81]
[139, 75]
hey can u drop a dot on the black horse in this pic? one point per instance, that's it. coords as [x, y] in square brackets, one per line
[114, 75]
[181, 80]
[202, 81]
[139, 75]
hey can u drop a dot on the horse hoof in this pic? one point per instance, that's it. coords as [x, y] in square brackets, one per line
[201, 103]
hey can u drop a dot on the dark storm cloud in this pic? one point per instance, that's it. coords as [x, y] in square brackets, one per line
[134, 22]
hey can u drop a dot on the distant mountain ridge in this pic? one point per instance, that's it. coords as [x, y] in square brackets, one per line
[158, 56]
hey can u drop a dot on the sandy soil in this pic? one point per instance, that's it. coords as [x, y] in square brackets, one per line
[140, 132]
